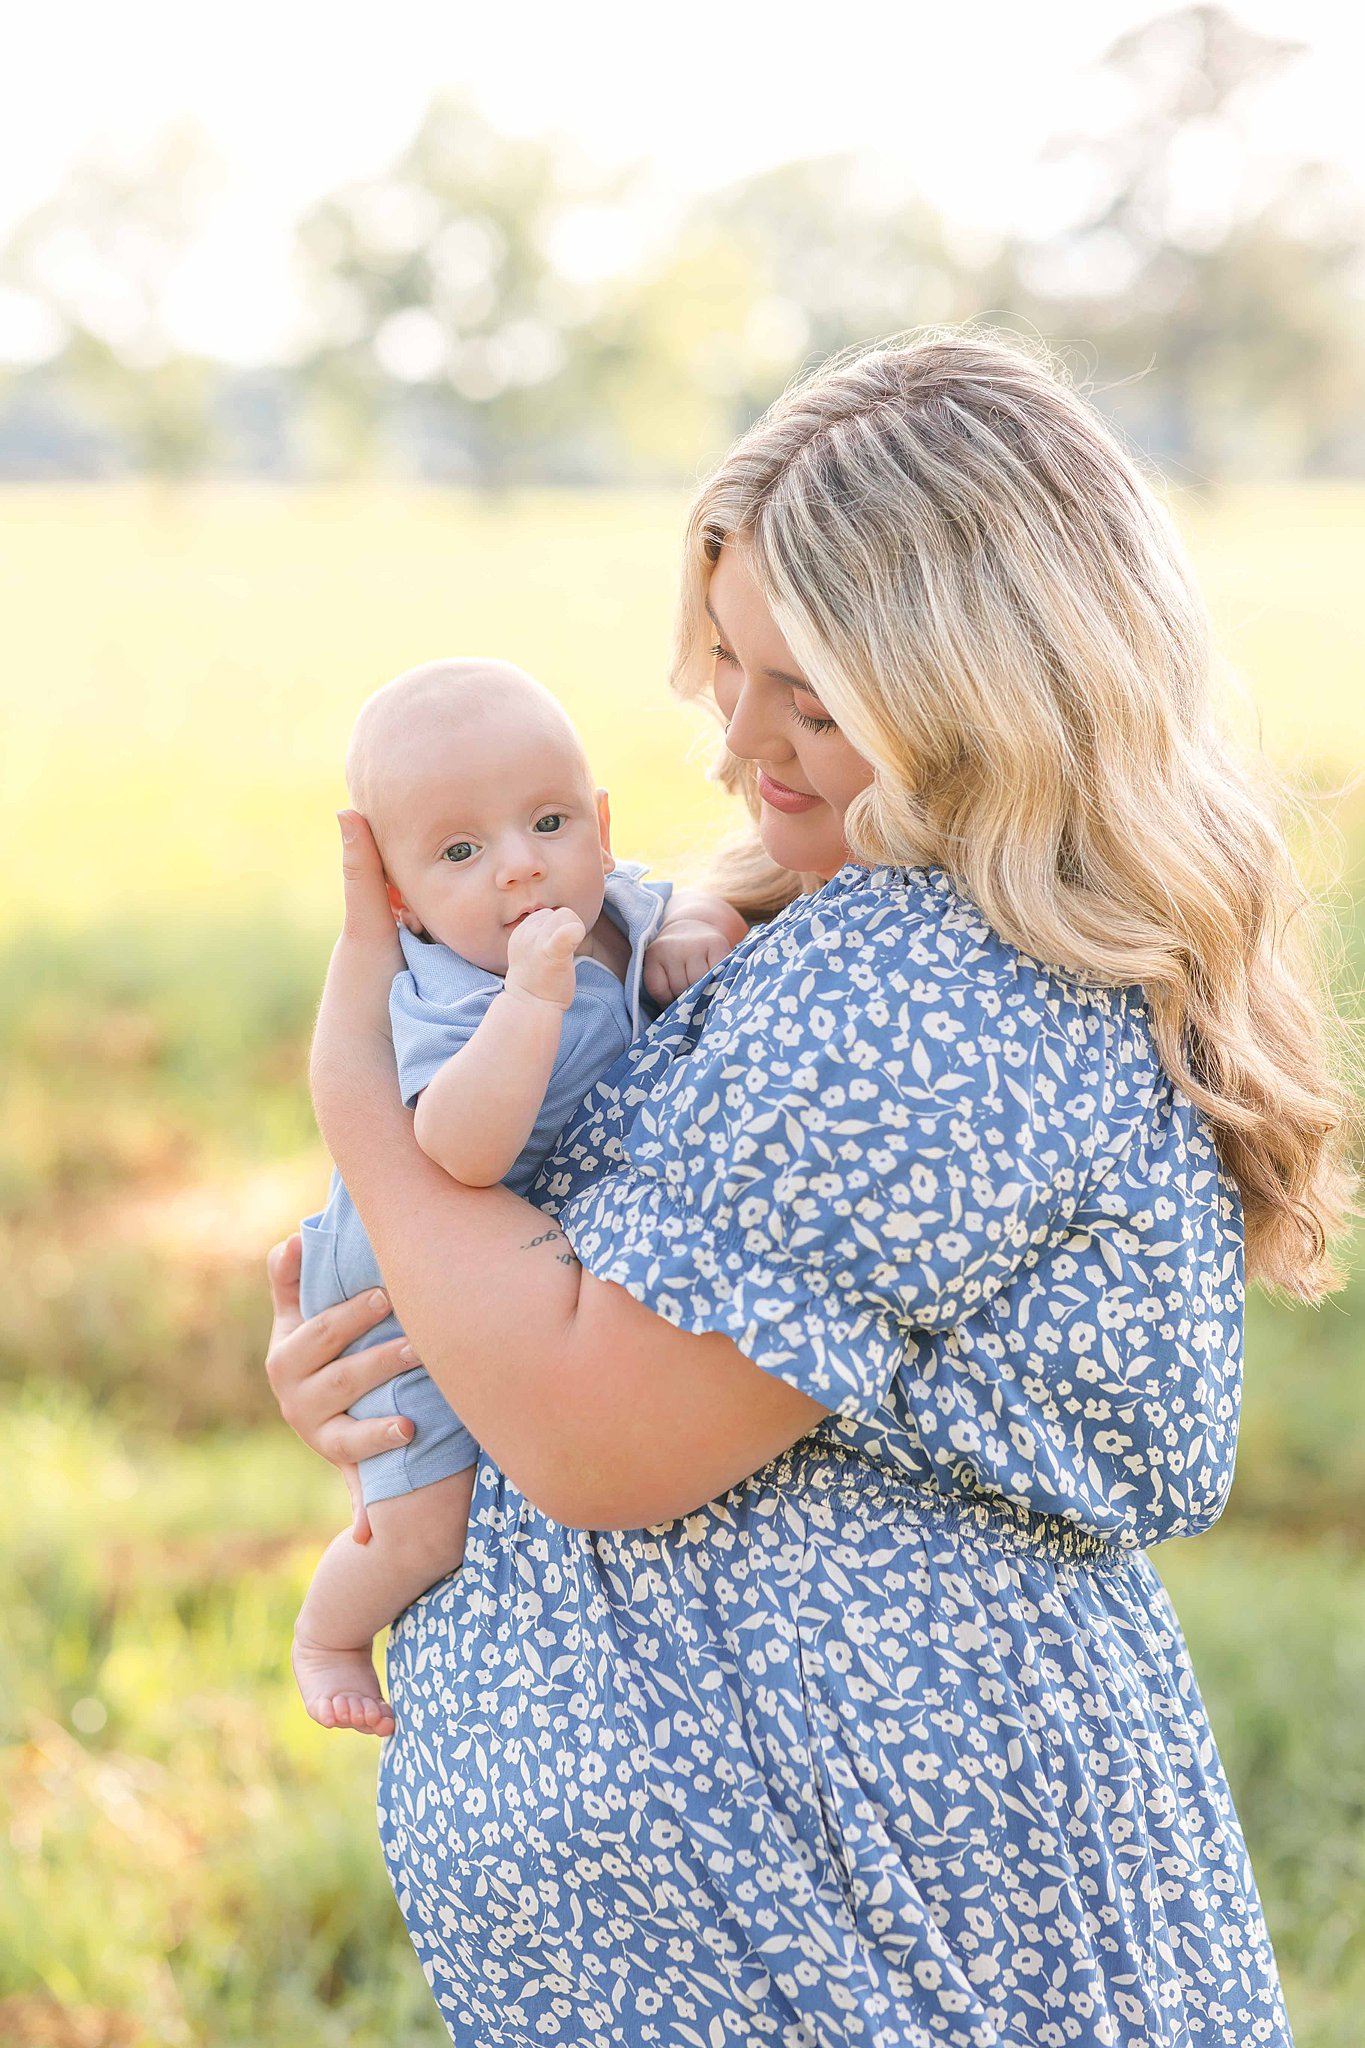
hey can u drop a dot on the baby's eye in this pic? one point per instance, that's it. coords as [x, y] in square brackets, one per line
[555, 818]
[457, 852]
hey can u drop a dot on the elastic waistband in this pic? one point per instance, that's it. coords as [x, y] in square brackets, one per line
[855, 1483]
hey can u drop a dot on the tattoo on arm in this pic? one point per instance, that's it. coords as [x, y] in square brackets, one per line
[565, 1258]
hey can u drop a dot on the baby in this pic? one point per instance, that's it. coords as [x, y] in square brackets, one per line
[525, 948]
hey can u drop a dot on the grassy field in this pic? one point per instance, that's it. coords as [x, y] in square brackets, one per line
[181, 672]
[190, 1860]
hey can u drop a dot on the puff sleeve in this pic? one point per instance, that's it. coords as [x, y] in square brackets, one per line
[427, 1031]
[875, 1125]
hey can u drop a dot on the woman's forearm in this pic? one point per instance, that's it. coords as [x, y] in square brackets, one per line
[604, 1415]
[485, 1286]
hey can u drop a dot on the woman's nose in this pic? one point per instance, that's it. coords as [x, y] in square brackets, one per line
[753, 731]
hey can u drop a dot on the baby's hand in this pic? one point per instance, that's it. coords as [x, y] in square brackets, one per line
[540, 955]
[689, 945]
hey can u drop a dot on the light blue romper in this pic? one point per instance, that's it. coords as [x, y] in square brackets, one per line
[435, 1005]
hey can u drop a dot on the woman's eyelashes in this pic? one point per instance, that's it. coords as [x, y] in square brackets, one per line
[811, 724]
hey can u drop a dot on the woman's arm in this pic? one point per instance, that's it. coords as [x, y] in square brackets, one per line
[601, 1413]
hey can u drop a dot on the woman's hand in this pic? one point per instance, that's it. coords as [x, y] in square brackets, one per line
[352, 1047]
[315, 1386]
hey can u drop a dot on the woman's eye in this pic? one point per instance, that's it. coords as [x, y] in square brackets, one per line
[555, 818]
[456, 852]
[720, 653]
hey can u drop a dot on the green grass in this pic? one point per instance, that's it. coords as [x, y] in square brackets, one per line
[1277, 565]
[174, 733]
[189, 1855]
[181, 670]
[190, 1860]
[1277, 1634]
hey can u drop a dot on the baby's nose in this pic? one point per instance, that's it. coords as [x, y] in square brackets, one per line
[521, 857]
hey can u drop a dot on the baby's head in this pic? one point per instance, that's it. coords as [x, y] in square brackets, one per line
[479, 795]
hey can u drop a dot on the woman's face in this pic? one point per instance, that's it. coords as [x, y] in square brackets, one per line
[777, 720]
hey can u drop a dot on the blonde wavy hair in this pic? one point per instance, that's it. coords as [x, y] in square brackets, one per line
[995, 606]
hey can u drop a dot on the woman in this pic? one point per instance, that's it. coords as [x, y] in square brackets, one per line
[805, 1680]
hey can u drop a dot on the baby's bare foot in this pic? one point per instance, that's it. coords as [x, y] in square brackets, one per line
[340, 1689]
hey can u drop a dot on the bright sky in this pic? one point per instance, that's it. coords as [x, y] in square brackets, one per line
[298, 96]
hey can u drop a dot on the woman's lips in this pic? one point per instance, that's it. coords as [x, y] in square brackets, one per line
[783, 799]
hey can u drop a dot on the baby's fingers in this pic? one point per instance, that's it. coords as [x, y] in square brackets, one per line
[545, 935]
[565, 936]
[655, 983]
[658, 982]
[702, 957]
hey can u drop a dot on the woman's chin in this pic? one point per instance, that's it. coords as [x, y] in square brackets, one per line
[805, 843]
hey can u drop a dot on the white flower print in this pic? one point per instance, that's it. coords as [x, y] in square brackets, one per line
[819, 1723]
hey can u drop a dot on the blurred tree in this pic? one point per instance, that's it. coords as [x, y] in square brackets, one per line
[671, 353]
[438, 279]
[842, 253]
[101, 260]
[773, 272]
[451, 320]
[1221, 284]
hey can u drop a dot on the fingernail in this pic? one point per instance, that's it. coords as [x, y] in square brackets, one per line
[399, 1432]
[379, 1299]
[346, 821]
[409, 1356]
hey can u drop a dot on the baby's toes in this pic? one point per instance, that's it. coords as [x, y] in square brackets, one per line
[367, 1716]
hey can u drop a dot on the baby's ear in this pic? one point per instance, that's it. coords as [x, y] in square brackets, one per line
[604, 830]
[400, 910]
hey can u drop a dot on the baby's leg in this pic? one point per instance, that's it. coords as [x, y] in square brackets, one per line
[358, 1589]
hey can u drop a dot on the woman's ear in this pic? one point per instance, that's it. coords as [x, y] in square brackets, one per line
[604, 830]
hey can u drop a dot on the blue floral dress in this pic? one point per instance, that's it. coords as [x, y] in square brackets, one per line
[896, 1744]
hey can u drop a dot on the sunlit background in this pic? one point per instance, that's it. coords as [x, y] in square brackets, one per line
[332, 339]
